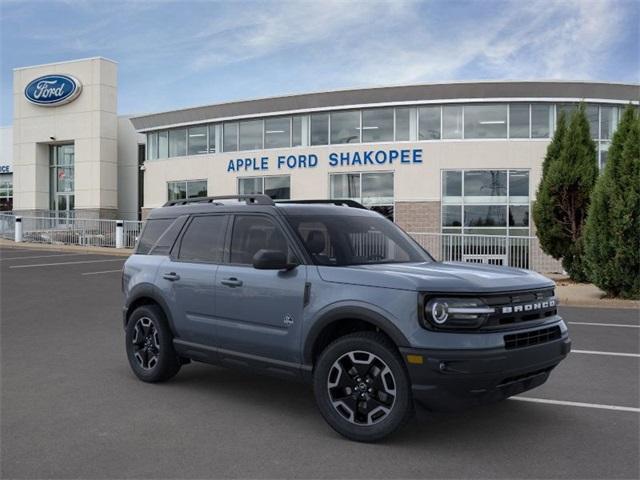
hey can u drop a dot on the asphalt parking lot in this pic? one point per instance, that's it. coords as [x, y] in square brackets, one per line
[71, 408]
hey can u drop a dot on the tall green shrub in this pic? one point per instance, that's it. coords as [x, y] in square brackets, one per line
[563, 197]
[549, 231]
[612, 232]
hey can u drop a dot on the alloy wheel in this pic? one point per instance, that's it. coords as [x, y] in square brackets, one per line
[146, 343]
[362, 388]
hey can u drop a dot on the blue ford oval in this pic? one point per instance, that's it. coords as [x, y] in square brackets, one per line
[52, 90]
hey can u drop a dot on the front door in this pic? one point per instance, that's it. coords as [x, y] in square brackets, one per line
[187, 278]
[259, 312]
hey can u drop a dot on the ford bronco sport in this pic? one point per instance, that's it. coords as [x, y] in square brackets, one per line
[335, 294]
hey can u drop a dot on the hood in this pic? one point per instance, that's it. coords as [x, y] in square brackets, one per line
[457, 277]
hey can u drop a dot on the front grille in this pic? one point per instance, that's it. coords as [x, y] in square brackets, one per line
[534, 337]
[503, 317]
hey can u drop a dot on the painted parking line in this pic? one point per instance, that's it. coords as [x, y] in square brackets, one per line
[604, 324]
[68, 263]
[104, 271]
[577, 404]
[613, 354]
[41, 256]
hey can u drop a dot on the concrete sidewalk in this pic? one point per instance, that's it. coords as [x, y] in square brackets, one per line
[569, 293]
[66, 248]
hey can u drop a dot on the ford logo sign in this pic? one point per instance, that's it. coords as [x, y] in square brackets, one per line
[53, 90]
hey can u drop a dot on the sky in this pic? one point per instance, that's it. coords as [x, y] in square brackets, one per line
[176, 54]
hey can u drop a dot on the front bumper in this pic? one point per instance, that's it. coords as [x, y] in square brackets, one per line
[454, 379]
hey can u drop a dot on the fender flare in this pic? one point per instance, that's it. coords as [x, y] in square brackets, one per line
[351, 312]
[147, 290]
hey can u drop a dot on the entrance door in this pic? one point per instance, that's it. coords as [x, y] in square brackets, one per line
[62, 181]
[259, 312]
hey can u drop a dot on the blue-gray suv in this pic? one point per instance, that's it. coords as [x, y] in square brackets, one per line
[337, 295]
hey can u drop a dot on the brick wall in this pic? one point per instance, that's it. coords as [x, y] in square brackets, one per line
[418, 216]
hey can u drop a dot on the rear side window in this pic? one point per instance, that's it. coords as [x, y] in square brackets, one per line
[168, 238]
[153, 229]
[203, 241]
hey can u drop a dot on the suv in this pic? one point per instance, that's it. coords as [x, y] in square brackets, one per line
[334, 294]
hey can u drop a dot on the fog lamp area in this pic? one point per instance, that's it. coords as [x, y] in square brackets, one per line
[454, 313]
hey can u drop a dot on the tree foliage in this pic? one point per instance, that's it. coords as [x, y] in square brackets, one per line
[612, 233]
[569, 174]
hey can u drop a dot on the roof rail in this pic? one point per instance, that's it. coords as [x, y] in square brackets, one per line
[339, 202]
[249, 199]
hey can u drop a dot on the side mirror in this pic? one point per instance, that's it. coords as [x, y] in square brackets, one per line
[271, 260]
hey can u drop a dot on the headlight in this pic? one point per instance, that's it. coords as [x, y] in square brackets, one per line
[456, 312]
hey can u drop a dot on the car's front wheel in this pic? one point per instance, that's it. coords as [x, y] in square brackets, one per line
[149, 343]
[362, 387]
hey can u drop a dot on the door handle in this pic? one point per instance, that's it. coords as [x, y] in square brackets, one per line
[172, 276]
[231, 282]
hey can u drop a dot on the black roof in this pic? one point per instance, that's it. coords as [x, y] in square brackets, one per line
[257, 203]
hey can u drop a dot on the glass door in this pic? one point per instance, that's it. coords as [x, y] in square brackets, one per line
[62, 177]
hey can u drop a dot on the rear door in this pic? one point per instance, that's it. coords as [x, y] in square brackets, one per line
[259, 312]
[187, 277]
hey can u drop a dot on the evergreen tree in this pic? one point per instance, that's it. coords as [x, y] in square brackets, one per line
[548, 231]
[564, 194]
[612, 242]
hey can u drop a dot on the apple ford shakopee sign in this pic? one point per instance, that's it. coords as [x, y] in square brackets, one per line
[53, 90]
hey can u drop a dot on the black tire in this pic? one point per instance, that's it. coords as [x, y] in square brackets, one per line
[356, 413]
[152, 360]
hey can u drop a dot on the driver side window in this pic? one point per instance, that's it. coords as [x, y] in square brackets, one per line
[252, 233]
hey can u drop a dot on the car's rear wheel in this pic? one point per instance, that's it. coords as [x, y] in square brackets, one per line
[149, 343]
[362, 387]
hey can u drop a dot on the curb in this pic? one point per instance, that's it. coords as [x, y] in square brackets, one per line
[124, 252]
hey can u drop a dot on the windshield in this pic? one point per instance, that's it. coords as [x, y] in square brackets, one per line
[341, 240]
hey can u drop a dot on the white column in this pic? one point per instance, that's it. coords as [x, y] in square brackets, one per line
[18, 230]
[119, 234]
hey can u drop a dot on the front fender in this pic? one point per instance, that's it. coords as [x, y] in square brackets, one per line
[364, 312]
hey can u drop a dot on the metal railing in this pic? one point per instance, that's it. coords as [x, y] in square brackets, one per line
[71, 231]
[519, 252]
[132, 230]
[7, 226]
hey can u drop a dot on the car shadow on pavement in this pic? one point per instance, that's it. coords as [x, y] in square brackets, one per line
[251, 391]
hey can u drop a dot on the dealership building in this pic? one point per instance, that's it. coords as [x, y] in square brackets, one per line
[449, 157]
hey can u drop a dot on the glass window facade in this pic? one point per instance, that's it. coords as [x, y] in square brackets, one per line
[519, 120]
[230, 137]
[197, 140]
[277, 132]
[185, 189]
[452, 122]
[403, 124]
[251, 135]
[373, 189]
[345, 127]
[486, 202]
[178, 142]
[319, 129]
[277, 187]
[6, 192]
[377, 125]
[296, 131]
[541, 120]
[371, 125]
[163, 144]
[429, 123]
[485, 121]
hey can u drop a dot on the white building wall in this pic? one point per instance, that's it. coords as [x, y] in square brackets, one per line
[412, 181]
[128, 169]
[90, 122]
[6, 148]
